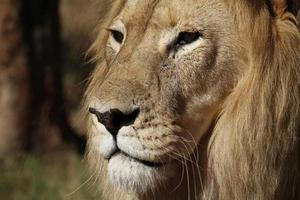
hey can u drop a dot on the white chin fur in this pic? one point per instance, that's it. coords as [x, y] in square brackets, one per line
[130, 175]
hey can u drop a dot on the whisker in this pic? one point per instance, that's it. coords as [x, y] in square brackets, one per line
[80, 186]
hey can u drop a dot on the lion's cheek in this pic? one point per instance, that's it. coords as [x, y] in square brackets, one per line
[199, 116]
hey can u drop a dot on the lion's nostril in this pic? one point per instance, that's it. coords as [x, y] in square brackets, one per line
[114, 119]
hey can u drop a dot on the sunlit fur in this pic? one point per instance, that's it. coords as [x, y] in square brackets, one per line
[253, 149]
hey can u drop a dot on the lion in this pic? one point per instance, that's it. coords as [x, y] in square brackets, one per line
[196, 99]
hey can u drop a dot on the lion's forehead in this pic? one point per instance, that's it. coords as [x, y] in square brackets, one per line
[168, 13]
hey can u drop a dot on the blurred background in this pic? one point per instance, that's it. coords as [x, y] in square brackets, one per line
[43, 74]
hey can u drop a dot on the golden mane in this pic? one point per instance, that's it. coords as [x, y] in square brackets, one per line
[254, 153]
[254, 149]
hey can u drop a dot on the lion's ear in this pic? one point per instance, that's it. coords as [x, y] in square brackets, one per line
[282, 6]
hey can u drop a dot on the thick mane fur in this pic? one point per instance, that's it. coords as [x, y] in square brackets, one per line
[254, 149]
[254, 153]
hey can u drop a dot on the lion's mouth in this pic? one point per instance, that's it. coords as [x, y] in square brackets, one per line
[144, 162]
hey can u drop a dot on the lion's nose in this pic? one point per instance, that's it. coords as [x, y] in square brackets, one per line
[114, 119]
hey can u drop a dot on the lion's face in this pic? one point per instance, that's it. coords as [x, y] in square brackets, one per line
[168, 67]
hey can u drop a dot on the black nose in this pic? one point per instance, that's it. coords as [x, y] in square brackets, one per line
[114, 119]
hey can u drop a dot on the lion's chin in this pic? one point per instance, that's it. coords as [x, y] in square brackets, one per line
[131, 175]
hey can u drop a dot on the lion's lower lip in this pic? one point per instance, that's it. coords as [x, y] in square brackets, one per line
[144, 162]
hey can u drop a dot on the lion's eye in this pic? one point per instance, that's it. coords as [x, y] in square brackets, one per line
[117, 35]
[185, 38]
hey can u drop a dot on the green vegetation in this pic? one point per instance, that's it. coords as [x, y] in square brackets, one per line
[59, 176]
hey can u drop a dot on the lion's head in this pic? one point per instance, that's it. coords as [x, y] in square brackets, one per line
[196, 99]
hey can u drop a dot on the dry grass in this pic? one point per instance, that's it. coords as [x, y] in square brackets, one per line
[59, 176]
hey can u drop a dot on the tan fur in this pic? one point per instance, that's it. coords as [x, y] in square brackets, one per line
[252, 101]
